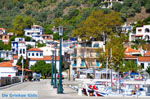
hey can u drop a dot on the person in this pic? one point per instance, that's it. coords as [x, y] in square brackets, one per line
[90, 90]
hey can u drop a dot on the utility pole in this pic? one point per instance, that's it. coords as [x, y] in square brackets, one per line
[60, 87]
[106, 70]
[55, 80]
[111, 65]
[52, 72]
[22, 70]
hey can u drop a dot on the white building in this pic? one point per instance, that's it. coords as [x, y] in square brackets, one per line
[35, 32]
[2, 31]
[6, 55]
[15, 59]
[144, 62]
[47, 38]
[86, 55]
[18, 47]
[126, 28]
[110, 3]
[132, 52]
[7, 69]
[141, 33]
[35, 54]
[48, 50]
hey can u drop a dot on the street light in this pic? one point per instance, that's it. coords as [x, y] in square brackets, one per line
[22, 69]
[52, 82]
[55, 79]
[60, 89]
[69, 67]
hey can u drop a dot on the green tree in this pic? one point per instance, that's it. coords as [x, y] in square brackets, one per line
[136, 7]
[148, 70]
[20, 22]
[47, 29]
[130, 65]
[117, 6]
[96, 24]
[129, 2]
[40, 44]
[72, 13]
[57, 37]
[1, 60]
[115, 43]
[19, 62]
[124, 12]
[42, 67]
[4, 46]
[147, 6]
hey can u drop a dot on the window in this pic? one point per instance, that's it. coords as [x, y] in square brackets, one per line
[23, 51]
[20, 51]
[139, 30]
[41, 54]
[28, 33]
[7, 54]
[96, 45]
[38, 33]
[36, 54]
[0, 54]
[142, 64]
[97, 63]
[29, 54]
[82, 63]
[32, 54]
[147, 30]
[148, 64]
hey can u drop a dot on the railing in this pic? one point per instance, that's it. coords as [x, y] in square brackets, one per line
[8, 80]
[82, 64]
[97, 64]
[74, 64]
[74, 55]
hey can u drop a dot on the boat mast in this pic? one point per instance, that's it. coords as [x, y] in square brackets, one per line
[111, 64]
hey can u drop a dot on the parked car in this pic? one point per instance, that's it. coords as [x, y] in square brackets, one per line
[36, 76]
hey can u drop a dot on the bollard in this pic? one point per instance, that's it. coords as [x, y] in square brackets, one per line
[79, 89]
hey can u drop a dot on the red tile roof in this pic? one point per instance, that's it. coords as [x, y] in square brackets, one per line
[147, 54]
[35, 49]
[6, 64]
[22, 42]
[144, 59]
[19, 68]
[11, 61]
[49, 58]
[2, 29]
[139, 35]
[130, 56]
[46, 35]
[130, 50]
[15, 57]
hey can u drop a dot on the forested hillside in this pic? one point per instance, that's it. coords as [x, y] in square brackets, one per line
[18, 14]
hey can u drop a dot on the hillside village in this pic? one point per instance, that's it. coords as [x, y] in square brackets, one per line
[80, 55]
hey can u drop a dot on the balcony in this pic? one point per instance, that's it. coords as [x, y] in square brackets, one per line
[97, 64]
[82, 64]
[74, 55]
[74, 64]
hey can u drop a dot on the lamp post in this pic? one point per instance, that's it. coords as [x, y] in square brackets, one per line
[52, 82]
[55, 79]
[68, 61]
[60, 88]
[22, 69]
[69, 69]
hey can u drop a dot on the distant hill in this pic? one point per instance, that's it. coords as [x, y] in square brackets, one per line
[65, 12]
